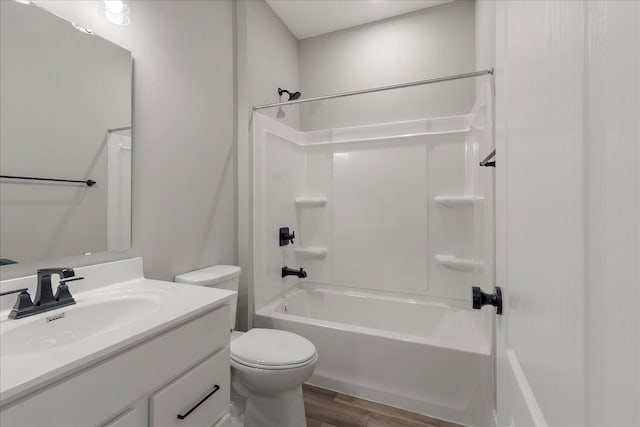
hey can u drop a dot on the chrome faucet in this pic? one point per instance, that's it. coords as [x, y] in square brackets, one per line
[45, 300]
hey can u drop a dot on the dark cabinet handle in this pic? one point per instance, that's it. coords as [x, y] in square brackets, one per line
[215, 388]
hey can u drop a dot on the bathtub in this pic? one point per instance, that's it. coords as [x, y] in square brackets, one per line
[422, 356]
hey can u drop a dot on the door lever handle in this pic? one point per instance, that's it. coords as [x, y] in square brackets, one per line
[480, 299]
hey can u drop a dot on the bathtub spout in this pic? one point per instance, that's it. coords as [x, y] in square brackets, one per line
[286, 271]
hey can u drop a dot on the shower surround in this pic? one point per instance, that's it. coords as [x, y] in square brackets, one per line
[391, 224]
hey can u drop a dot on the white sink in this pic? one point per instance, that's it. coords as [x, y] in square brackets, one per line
[116, 307]
[72, 324]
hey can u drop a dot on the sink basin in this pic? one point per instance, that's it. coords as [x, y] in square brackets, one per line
[71, 324]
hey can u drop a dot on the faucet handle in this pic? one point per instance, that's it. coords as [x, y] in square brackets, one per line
[62, 293]
[69, 279]
[23, 301]
[15, 291]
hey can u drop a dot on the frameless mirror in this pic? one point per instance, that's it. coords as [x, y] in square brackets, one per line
[65, 138]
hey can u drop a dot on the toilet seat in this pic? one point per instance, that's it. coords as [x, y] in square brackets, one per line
[272, 349]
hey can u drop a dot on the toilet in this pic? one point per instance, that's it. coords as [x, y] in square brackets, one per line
[268, 366]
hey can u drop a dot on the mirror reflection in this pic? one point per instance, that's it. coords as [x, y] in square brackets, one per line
[65, 138]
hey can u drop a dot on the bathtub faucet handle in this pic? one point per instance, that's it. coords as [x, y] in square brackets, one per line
[285, 236]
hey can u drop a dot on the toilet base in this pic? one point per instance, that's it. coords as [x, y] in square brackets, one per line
[281, 409]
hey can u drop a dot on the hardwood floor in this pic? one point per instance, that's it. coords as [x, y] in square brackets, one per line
[325, 408]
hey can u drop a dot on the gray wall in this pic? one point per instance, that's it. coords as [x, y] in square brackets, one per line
[272, 60]
[431, 42]
[61, 91]
[267, 58]
[184, 156]
[485, 38]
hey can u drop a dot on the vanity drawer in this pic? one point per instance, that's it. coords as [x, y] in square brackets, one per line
[200, 396]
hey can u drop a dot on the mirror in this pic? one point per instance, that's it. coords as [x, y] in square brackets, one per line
[65, 115]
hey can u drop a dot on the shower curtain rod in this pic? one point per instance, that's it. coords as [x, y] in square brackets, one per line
[379, 89]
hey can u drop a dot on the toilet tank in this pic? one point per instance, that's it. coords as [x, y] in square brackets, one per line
[218, 276]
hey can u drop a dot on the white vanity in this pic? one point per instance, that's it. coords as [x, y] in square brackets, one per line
[130, 352]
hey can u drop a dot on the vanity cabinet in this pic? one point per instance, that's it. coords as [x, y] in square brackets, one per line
[149, 383]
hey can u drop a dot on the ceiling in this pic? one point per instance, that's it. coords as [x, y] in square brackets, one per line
[308, 18]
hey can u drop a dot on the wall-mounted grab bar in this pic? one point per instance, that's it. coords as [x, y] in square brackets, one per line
[88, 182]
[487, 162]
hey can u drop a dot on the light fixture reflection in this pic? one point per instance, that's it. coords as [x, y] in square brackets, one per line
[114, 6]
[115, 11]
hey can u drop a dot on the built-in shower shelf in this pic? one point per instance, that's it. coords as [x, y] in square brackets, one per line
[458, 201]
[312, 252]
[455, 263]
[311, 202]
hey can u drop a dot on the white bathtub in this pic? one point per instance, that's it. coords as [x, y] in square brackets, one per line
[421, 356]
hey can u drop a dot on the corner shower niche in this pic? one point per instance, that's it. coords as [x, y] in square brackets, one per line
[397, 208]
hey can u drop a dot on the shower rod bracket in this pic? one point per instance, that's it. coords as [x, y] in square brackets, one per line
[489, 161]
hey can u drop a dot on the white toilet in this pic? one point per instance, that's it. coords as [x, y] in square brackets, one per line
[268, 366]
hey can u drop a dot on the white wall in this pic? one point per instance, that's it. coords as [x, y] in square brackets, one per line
[266, 59]
[433, 42]
[568, 212]
[613, 212]
[61, 91]
[184, 212]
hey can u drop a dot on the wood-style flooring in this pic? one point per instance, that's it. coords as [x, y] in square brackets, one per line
[326, 408]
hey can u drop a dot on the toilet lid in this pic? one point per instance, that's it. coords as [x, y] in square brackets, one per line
[271, 347]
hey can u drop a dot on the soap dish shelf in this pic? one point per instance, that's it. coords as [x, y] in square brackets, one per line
[311, 202]
[458, 201]
[312, 252]
[462, 264]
